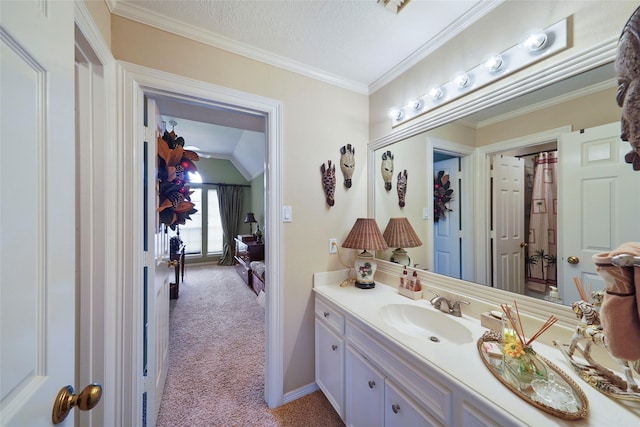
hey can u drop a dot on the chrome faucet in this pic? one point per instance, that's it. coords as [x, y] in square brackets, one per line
[438, 300]
[452, 308]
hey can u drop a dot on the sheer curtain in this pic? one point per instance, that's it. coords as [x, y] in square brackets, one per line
[542, 244]
[230, 202]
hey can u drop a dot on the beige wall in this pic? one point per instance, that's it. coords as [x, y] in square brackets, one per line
[589, 111]
[101, 16]
[318, 119]
[591, 23]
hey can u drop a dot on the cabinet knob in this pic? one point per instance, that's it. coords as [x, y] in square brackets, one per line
[395, 408]
[372, 384]
[326, 314]
[334, 347]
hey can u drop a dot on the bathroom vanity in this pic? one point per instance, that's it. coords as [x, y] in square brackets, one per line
[377, 368]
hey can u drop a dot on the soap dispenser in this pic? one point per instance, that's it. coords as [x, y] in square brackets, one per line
[404, 279]
[416, 282]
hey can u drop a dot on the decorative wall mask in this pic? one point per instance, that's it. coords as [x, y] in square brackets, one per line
[628, 97]
[402, 187]
[442, 195]
[174, 165]
[387, 169]
[329, 182]
[347, 163]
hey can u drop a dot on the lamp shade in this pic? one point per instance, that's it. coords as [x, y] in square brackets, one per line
[400, 234]
[250, 217]
[364, 235]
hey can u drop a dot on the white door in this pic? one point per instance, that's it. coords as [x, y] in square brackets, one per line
[157, 279]
[446, 233]
[37, 213]
[600, 202]
[508, 223]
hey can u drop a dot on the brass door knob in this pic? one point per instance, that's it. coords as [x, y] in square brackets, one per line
[573, 259]
[86, 400]
[523, 245]
[172, 264]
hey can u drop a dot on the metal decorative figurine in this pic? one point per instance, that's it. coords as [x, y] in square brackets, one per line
[347, 163]
[387, 169]
[402, 188]
[628, 97]
[590, 331]
[329, 182]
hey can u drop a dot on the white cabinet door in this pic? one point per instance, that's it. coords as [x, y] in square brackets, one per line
[330, 365]
[401, 412]
[365, 392]
[38, 210]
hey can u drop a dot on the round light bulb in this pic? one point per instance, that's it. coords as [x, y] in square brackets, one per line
[535, 40]
[435, 93]
[396, 114]
[493, 63]
[415, 104]
[461, 80]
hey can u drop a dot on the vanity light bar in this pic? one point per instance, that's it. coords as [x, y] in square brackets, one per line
[533, 47]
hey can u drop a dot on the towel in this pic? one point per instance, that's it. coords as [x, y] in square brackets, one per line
[620, 311]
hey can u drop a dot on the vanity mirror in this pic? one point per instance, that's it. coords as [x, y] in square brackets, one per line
[485, 238]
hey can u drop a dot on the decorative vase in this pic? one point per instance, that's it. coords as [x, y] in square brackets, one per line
[522, 363]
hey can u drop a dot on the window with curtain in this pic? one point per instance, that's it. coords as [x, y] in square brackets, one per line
[191, 231]
[203, 234]
[214, 224]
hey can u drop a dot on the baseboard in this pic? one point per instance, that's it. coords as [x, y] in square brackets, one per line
[301, 392]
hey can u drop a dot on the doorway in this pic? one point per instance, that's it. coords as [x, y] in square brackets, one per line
[447, 220]
[136, 83]
[452, 250]
[523, 219]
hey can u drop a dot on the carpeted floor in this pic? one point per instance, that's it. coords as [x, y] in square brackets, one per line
[216, 359]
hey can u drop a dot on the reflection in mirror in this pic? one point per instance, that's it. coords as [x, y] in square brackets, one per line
[492, 234]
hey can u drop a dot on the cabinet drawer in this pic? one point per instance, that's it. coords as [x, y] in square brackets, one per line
[333, 318]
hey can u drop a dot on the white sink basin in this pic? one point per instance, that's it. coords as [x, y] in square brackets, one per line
[422, 322]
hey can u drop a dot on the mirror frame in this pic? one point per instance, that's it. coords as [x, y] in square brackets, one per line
[577, 63]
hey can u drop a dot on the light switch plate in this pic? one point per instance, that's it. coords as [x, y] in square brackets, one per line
[286, 214]
[333, 245]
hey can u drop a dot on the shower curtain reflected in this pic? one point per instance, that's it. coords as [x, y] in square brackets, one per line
[542, 244]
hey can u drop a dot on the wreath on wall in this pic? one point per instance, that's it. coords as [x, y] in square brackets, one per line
[442, 194]
[174, 165]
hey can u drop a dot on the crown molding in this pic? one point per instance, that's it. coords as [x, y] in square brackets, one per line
[183, 29]
[455, 28]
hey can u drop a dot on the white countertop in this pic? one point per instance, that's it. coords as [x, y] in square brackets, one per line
[463, 363]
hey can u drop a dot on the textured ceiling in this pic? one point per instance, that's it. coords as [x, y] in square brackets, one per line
[357, 44]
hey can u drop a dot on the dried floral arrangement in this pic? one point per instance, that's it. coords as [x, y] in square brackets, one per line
[442, 194]
[174, 165]
[516, 348]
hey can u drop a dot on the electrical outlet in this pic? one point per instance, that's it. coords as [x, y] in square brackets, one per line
[333, 246]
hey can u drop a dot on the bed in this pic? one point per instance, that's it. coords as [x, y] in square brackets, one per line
[257, 270]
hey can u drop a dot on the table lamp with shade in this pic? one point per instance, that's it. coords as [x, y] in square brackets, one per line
[365, 235]
[399, 234]
[250, 218]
